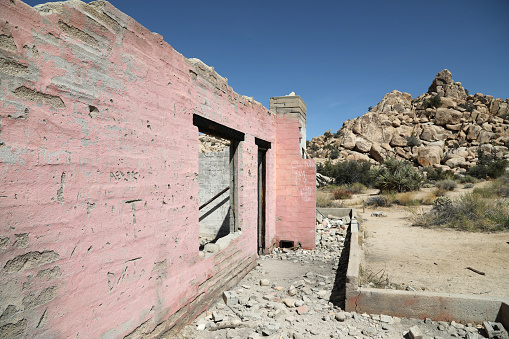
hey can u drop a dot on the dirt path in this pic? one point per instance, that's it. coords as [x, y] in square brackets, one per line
[434, 260]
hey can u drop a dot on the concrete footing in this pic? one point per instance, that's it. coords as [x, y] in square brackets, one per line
[436, 306]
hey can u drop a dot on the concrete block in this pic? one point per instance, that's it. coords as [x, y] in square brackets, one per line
[230, 298]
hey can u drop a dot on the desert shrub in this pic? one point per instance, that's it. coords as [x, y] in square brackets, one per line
[437, 174]
[397, 175]
[505, 116]
[370, 108]
[428, 199]
[327, 135]
[447, 184]
[341, 193]
[442, 202]
[438, 192]
[466, 92]
[346, 172]
[357, 187]
[324, 199]
[434, 101]
[413, 141]
[334, 153]
[468, 179]
[487, 166]
[473, 213]
[468, 106]
[468, 185]
[501, 186]
[378, 201]
[338, 134]
[485, 209]
[407, 199]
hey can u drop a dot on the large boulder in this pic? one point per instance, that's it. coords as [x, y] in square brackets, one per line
[429, 155]
[395, 102]
[444, 86]
[377, 153]
[447, 116]
[362, 146]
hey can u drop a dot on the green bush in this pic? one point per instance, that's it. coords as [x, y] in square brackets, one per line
[485, 209]
[397, 175]
[488, 166]
[437, 174]
[357, 187]
[468, 106]
[412, 141]
[467, 179]
[378, 201]
[468, 185]
[334, 153]
[433, 102]
[347, 172]
[447, 184]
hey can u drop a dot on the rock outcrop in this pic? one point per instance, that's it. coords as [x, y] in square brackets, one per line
[441, 128]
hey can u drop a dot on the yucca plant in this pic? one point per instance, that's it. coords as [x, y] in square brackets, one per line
[397, 175]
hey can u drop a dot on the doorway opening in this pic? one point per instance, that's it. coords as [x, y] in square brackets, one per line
[263, 147]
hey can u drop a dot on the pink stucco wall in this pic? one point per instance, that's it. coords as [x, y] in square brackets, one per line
[295, 197]
[98, 176]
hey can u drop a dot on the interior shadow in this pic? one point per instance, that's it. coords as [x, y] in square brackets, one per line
[338, 293]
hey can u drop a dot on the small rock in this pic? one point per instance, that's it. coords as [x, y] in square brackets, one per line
[264, 282]
[289, 302]
[302, 309]
[341, 316]
[322, 294]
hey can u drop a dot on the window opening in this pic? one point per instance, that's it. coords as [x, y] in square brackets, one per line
[217, 182]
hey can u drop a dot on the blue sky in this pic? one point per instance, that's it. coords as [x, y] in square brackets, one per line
[340, 56]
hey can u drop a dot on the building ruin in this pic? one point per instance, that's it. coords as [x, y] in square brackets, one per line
[100, 177]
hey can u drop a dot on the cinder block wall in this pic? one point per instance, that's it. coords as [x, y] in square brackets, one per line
[296, 177]
[98, 176]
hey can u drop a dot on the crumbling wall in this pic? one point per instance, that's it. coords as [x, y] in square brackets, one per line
[98, 176]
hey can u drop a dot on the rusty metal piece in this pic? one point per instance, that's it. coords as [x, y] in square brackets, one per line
[214, 197]
[476, 271]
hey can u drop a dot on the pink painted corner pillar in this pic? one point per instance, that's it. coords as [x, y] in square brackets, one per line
[295, 179]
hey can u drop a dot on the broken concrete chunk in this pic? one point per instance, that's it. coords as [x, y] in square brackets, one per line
[230, 298]
[415, 332]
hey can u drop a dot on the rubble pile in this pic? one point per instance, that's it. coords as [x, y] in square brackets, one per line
[295, 293]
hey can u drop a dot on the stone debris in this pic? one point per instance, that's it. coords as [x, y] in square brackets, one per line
[296, 293]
